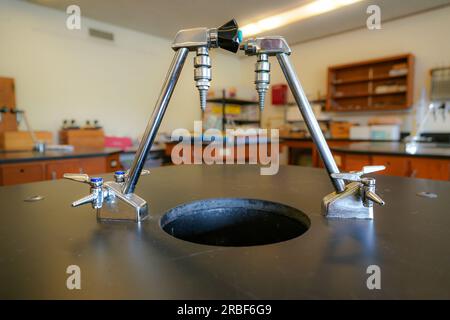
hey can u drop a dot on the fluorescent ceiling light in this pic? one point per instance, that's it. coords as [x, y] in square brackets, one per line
[311, 9]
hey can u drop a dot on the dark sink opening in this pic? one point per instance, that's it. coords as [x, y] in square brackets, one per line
[234, 222]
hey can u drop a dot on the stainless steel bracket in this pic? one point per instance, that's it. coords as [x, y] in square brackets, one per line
[195, 38]
[356, 201]
[265, 45]
[119, 206]
[107, 198]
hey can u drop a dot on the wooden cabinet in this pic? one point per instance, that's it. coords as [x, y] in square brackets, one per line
[54, 169]
[437, 169]
[113, 163]
[93, 165]
[21, 173]
[92, 138]
[378, 84]
[239, 153]
[8, 100]
[21, 140]
[356, 162]
[402, 166]
[395, 165]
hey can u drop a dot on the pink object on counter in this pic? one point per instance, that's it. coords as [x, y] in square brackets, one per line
[118, 142]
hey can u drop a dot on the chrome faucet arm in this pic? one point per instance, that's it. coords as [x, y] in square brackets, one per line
[115, 200]
[155, 120]
[354, 200]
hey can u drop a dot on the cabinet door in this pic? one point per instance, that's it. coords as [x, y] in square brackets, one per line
[21, 173]
[355, 162]
[95, 165]
[426, 168]
[395, 166]
[56, 169]
[339, 159]
[113, 163]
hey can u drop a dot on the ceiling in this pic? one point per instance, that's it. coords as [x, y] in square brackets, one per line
[165, 17]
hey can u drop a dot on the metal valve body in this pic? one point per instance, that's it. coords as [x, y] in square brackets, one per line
[262, 77]
[202, 74]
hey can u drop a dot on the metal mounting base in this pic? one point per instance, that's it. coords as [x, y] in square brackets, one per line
[119, 207]
[347, 204]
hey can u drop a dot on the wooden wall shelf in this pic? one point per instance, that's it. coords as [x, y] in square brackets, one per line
[379, 84]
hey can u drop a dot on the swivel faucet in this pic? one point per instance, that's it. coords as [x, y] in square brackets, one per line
[115, 200]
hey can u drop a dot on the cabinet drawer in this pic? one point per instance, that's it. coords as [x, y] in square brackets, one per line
[56, 169]
[113, 163]
[395, 166]
[22, 173]
[93, 165]
[435, 169]
[355, 162]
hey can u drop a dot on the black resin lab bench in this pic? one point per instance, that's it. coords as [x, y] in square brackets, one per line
[409, 240]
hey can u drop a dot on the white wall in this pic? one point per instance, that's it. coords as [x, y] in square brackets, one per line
[62, 74]
[425, 35]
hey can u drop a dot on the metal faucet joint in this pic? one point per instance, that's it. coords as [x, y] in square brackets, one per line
[262, 77]
[202, 74]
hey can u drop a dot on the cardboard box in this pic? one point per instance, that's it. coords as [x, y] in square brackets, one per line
[340, 130]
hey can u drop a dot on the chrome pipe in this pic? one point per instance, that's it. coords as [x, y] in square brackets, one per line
[155, 120]
[310, 120]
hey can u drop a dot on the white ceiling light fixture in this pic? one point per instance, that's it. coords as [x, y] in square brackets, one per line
[309, 10]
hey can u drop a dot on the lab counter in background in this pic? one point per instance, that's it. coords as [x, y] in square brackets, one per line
[427, 160]
[299, 147]
[237, 148]
[28, 166]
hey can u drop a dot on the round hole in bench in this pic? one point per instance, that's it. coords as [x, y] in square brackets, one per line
[234, 222]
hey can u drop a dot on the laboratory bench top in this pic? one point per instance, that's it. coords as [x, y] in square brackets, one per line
[236, 140]
[80, 152]
[428, 149]
[296, 138]
[409, 240]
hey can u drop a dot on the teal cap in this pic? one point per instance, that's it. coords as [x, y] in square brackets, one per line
[239, 35]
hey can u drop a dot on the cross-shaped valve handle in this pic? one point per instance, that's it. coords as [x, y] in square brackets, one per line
[97, 194]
